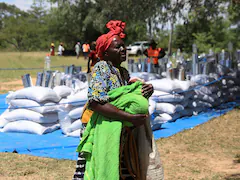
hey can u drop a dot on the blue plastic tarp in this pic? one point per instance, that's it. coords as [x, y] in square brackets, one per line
[171, 128]
[56, 145]
[53, 145]
[3, 105]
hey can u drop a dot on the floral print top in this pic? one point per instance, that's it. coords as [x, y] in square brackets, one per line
[105, 77]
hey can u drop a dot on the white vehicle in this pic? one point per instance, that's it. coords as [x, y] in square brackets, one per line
[137, 48]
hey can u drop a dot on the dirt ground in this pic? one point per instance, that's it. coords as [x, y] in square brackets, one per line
[13, 85]
[208, 151]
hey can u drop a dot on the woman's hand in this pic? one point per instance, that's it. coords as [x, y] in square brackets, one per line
[137, 119]
[134, 79]
[147, 90]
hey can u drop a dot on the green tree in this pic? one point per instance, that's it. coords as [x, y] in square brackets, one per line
[38, 32]
[13, 25]
[208, 25]
[87, 19]
[23, 30]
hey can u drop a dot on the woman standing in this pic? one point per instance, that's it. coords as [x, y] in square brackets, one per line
[52, 49]
[115, 135]
[92, 57]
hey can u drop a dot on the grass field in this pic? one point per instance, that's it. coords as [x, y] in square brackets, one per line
[32, 60]
[208, 152]
[11, 79]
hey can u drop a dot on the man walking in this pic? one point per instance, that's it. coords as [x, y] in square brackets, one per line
[77, 49]
[86, 50]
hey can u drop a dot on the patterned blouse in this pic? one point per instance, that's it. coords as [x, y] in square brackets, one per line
[105, 77]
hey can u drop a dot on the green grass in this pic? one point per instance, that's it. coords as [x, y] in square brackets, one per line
[32, 60]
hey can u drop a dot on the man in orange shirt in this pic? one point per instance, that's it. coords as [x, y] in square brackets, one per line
[153, 53]
[86, 50]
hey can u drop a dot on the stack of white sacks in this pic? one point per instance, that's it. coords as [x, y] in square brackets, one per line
[205, 94]
[229, 84]
[226, 88]
[230, 87]
[173, 99]
[31, 110]
[41, 110]
[71, 109]
[169, 100]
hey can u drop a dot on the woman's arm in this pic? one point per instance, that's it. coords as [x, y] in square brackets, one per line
[89, 59]
[111, 111]
[147, 89]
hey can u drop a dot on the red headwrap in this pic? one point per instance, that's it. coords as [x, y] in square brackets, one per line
[103, 42]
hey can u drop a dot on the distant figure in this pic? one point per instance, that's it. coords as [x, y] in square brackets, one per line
[86, 50]
[77, 49]
[52, 51]
[60, 49]
[92, 58]
[153, 53]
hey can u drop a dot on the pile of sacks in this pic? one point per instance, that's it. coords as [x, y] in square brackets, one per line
[70, 111]
[230, 87]
[173, 99]
[31, 110]
[169, 100]
[41, 110]
[226, 88]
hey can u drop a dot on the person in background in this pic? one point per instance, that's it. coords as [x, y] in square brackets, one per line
[92, 57]
[60, 49]
[52, 49]
[154, 54]
[86, 50]
[77, 49]
[118, 152]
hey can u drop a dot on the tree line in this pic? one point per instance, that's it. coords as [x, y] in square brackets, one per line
[172, 23]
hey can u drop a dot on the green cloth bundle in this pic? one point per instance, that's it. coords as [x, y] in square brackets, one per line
[101, 138]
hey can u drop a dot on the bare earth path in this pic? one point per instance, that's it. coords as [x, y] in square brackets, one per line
[208, 151]
[12, 85]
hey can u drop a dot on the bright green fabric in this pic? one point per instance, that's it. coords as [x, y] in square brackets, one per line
[101, 138]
